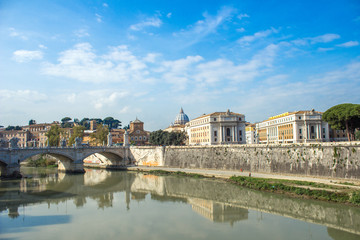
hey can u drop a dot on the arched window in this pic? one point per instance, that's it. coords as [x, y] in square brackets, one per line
[228, 132]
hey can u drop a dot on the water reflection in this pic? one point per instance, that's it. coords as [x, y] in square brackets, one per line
[214, 200]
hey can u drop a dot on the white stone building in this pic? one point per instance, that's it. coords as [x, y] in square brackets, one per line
[250, 133]
[293, 127]
[217, 128]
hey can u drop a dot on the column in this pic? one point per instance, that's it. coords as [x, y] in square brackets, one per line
[219, 137]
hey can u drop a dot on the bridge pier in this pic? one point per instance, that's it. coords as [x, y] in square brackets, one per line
[10, 171]
[71, 166]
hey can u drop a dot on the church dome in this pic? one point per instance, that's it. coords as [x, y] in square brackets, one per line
[181, 118]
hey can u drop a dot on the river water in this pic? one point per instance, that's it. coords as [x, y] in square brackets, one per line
[127, 205]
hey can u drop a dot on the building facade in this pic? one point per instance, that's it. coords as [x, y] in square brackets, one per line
[217, 128]
[137, 134]
[179, 124]
[250, 133]
[293, 127]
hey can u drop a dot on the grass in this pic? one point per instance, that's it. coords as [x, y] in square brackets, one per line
[278, 186]
[178, 173]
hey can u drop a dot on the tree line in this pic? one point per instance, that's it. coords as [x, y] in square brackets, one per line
[161, 137]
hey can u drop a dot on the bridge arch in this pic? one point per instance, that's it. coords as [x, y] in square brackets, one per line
[106, 158]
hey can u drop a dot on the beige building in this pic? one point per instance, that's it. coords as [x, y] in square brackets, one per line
[293, 127]
[250, 133]
[137, 134]
[217, 128]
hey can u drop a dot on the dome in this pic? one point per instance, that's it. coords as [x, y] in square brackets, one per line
[181, 118]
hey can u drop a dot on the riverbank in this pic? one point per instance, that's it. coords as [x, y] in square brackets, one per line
[325, 189]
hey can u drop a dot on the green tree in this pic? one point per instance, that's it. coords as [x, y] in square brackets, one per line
[65, 122]
[9, 128]
[112, 123]
[100, 135]
[53, 135]
[78, 131]
[32, 122]
[344, 117]
[165, 138]
[85, 122]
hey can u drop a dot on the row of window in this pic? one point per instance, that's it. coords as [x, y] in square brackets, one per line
[140, 138]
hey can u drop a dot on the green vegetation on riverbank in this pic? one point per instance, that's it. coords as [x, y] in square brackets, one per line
[178, 173]
[42, 162]
[296, 188]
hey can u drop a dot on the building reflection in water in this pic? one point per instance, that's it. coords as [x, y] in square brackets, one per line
[214, 200]
[218, 212]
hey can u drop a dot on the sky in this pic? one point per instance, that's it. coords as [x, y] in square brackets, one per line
[147, 59]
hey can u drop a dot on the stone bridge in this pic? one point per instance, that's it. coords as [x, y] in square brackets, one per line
[70, 159]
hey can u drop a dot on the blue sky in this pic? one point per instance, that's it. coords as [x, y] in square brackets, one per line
[146, 59]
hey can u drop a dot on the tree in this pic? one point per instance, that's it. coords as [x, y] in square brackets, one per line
[85, 122]
[53, 135]
[78, 131]
[344, 117]
[101, 134]
[65, 122]
[112, 123]
[9, 128]
[32, 122]
[161, 137]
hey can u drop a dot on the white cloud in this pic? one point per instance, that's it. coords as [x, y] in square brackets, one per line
[349, 44]
[81, 33]
[325, 38]
[105, 98]
[98, 17]
[151, 57]
[243, 15]
[223, 70]
[149, 22]
[105, 5]
[208, 25]
[178, 72]
[258, 35]
[325, 49]
[82, 63]
[42, 46]
[26, 56]
[125, 110]
[25, 96]
[240, 29]
[169, 15]
[15, 33]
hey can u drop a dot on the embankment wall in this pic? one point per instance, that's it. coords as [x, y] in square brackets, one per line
[336, 160]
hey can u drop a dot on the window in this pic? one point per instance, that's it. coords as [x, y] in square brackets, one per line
[214, 119]
[215, 139]
[140, 138]
[299, 117]
[239, 119]
[228, 132]
[300, 137]
[312, 129]
[137, 131]
[323, 130]
[144, 138]
[215, 133]
[300, 131]
[240, 132]
[135, 138]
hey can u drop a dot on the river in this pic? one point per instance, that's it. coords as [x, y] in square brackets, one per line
[114, 204]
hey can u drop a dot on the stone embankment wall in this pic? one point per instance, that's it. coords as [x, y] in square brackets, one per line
[147, 156]
[339, 160]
